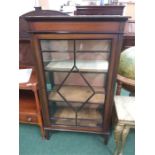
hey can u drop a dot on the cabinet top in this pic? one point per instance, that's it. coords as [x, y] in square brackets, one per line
[90, 18]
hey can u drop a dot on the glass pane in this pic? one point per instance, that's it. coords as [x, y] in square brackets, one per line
[75, 74]
[56, 53]
[57, 45]
[96, 80]
[92, 55]
[63, 116]
[93, 45]
[89, 117]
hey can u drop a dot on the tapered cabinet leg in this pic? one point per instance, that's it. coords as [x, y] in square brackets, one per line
[132, 94]
[42, 132]
[106, 138]
[47, 134]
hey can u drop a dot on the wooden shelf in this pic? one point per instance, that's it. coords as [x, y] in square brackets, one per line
[96, 51]
[79, 51]
[53, 51]
[27, 102]
[82, 65]
[78, 94]
[85, 117]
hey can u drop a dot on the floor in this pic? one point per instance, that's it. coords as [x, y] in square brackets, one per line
[69, 143]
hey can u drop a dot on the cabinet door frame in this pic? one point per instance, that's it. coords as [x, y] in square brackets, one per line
[116, 42]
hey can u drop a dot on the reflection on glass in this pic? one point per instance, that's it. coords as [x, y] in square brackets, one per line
[57, 45]
[76, 97]
[92, 45]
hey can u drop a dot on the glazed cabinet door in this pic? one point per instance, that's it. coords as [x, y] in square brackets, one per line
[75, 78]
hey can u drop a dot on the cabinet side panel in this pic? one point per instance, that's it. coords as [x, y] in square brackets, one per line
[41, 78]
[115, 55]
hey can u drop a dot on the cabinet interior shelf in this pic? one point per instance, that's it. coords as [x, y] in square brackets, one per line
[27, 102]
[82, 65]
[80, 51]
[85, 117]
[78, 94]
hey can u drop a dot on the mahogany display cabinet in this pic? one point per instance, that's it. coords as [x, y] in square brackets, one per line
[76, 61]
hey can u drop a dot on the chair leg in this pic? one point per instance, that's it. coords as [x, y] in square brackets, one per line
[106, 138]
[42, 132]
[117, 136]
[124, 136]
[119, 87]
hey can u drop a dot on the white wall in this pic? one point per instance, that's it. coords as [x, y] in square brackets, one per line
[24, 6]
[28, 5]
[56, 4]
